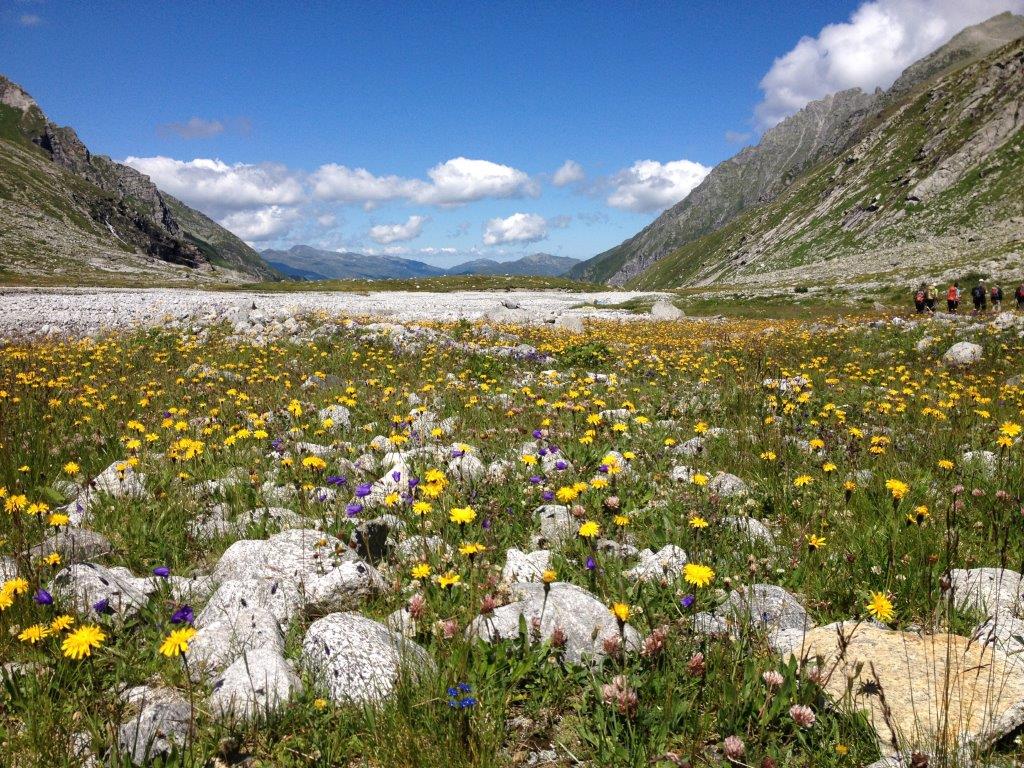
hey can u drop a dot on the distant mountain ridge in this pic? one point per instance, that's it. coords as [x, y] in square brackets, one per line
[67, 211]
[309, 263]
[758, 175]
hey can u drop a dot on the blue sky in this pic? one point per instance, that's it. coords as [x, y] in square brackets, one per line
[437, 130]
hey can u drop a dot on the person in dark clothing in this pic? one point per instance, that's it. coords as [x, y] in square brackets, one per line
[919, 300]
[996, 295]
[978, 295]
[1019, 294]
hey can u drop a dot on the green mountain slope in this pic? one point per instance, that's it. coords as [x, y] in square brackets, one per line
[66, 213]
[935, 182]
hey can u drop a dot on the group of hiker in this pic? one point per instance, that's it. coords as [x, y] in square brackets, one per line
[982, 296]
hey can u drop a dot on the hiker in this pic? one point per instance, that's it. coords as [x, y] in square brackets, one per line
[929, 298]
[996, 294]
[979, 294]
[1019, 294]
[953, 298]
[919, 300]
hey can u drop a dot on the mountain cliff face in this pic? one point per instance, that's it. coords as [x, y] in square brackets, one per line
[68, 212]
[935, 182]
[758, 175]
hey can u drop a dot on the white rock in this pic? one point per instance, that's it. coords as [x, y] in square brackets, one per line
[666, 563]
[257, 683]
[962, 353]
[525, 566]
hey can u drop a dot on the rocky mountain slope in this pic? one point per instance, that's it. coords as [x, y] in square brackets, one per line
[535, 264]
[758, 175]
[934, 183]
[68, 213]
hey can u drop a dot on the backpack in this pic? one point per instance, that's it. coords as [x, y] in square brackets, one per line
[978, 292]
[1020, 291]
[951, 293]
[919, 297]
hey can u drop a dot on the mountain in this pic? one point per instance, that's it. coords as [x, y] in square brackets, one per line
[68, 213]
[757, 175]
[315, 264]
[932, 187]
[536, 264]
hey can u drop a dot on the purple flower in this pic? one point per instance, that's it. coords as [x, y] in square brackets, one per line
[536, 479]
[553, 449]
[603, 468]
[396, 475]
[353, 509]
[363, 490]
[103, 606]
[457, 453]
[538, 434]
[560, 465]
[413, 482]
[548, 495]
[277, 444]
[591, 564]
[184, 615]
[688, 601]
[42, 597]
[162, 571]
[486, 524]
[337, 480]
[542, 452]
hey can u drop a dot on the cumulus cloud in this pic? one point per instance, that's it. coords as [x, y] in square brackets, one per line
[219, 188]
[881, 38]
[454, 182]
[648, 185]
[570, 172]
[398, 233]
[262, 224]
[517, 228]
[193, 128]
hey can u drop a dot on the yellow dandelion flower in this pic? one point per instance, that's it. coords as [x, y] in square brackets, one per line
[82, 642]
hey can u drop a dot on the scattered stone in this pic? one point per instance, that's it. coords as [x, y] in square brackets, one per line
[120, 480]
[346, 587]
[764, 607]
[726, 485]
[584, 620]
[962, 353]
[295, 555]
[753, 528]
[357, 659]
[667, 563]
[525, 566]
[939, 689]
[218, 643]
[279, 598]
[91, 588]
[556, 524]
[989, 591]
[664, 310]
[160, 725]
[74, 545]
[257, 683]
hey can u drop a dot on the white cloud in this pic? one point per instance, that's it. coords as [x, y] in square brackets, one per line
[262, 224]
[517, 228]
[30, 20]
[881, 38]
[193, 128]
[398, 233]
[648, 185]
[454, 182]
[570, 172]
[218, 188]
[327, 220]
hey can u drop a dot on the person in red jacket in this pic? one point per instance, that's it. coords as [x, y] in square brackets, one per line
[953, 298]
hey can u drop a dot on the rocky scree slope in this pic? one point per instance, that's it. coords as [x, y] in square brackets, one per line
[67, 212]
[935, 182]
[758, 175]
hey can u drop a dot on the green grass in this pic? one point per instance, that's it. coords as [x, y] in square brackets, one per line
[872, 403]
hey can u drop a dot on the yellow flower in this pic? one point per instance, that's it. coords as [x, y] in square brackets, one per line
[768, 456]
[548, 576]
[589, 530]
[422, 507]
[698, 522]
[16, 586]
[58, 519]
[319, 703]
[880, 607]
[698, 575]
[815, 542]
[945, 464]
[71, 468]
[6, 600]
[1010, 429]
[700, 427]
[176, 643]
[52, 559]
[621, 611]
[472, 548]
[699, 480]
[62, 622]
[35, 634]
[897, 488]
[420, 571]
[828, 466]
[803, 480]
[295, 408]
[528, 459]
[449, 580]
[621, 520]
[315, 463]
[462, 515]
[566, 494]
[83, 641]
